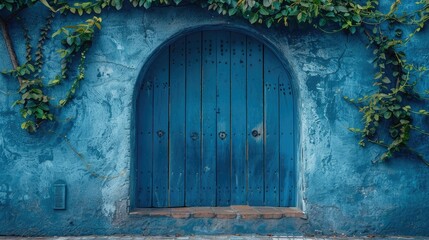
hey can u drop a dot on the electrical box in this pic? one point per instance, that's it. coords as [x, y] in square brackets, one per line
[59, 193]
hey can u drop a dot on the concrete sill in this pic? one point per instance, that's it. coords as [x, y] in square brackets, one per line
[232, 212]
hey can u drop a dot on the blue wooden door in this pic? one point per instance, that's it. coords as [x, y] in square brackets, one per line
[215, 125]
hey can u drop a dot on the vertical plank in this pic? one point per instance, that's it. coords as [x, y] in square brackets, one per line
[160, 130]
[287, 138]
[272, 71]
[238, 120]
[255, 122]
[193, 119]
[208, 167]
[223, 151]
[177, 124]
[144, 142]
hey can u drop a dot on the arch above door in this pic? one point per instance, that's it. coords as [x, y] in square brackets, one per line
[215, 125]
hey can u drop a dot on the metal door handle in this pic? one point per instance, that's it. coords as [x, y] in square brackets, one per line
[255, 133]
[160, 133]
[222, 135]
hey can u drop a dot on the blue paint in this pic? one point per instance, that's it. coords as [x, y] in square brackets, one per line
[193, 119]
[145, 142]
[287, 163]
[339, 188]
[255, 123]
[209, 118]
[271, 129]
[160, 136]
[238, 120]
[223, 150]
[177, 147]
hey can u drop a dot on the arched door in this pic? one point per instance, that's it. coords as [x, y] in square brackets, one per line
[215, 125]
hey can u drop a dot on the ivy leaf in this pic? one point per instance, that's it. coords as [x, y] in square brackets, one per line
[18, 102]
[147, 4]
[70, 41]
[357, 18]
[386, 80]
[387, 114]
[62, 102]
[232, 11]
[264, 11]
[97, 9]
[299, 17]
[378, 75]
[44, 2]
[267, 3]
[322, 22]
[330, 14]
[269, 22]
[341, 9]
[276, 5]
[9, 7]
[77, 41]
[118, 4]
[253, 18]
[31, 67]
[56, 33]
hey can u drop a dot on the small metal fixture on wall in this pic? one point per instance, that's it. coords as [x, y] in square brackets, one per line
[59, 195]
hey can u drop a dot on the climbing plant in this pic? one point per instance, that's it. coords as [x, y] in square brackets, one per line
[388, 112]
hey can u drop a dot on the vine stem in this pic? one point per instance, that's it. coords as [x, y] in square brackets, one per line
[9, 46]
[419, 156]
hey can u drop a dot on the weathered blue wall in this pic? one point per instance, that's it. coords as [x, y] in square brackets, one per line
[91, 145]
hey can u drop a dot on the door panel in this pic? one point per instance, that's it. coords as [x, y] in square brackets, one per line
[208, 156]
[286, 142]
[255, 123]
[160, 132]
[271, 119]
[177, 146]
[193, 119]
[223, 119]
[238, 120]
[144, 142]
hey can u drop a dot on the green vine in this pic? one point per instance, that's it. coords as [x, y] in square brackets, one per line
[389, 111]
[76, 40]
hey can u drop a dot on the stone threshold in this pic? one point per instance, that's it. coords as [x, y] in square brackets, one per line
[232, 212]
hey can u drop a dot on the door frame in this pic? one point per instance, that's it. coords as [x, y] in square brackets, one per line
[260, 35]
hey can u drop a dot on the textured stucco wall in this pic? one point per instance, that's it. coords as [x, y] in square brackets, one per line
[90, 146]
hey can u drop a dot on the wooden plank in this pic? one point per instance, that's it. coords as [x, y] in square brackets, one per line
[255, 123]
[223, 151]
[238, 120]
[272, 71]
[287, 149]
[208, 169]
[144, 142]
[177, 124]
[160, 130]
[193, 121]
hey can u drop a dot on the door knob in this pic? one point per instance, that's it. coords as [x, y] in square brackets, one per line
[255, 133]
[222, 135]
[160, 133]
